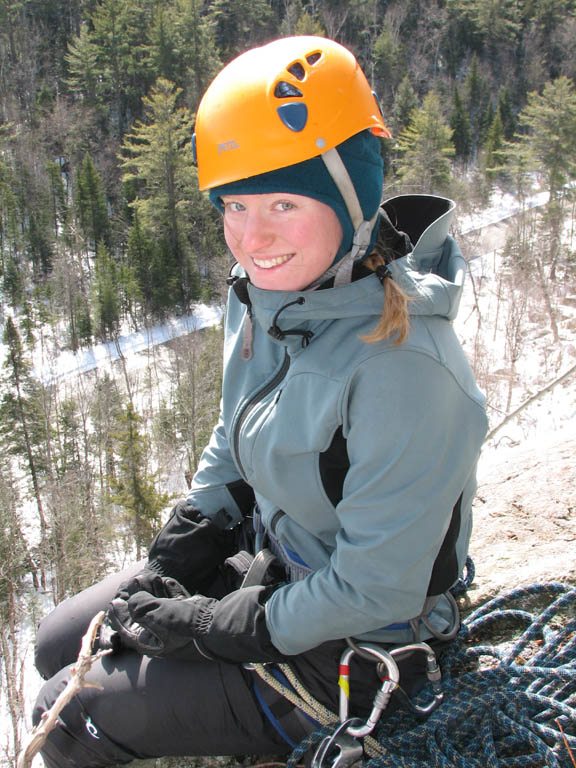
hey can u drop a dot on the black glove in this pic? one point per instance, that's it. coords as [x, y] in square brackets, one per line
[118, 628]
[232, 629]
[190, 547]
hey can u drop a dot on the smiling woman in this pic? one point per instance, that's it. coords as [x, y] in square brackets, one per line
[283, 241]
[343, 463]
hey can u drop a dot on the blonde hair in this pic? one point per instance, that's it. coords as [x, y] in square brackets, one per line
[395, 318]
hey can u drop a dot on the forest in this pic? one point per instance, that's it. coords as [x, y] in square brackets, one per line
[103, 232]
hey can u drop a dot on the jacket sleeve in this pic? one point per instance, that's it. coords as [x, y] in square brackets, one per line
[413, 437]
[217, 484]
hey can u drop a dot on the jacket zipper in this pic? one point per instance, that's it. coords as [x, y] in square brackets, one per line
[253, 402]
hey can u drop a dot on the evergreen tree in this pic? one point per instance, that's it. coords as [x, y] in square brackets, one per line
[84, 72]
[90, 204]
[507, 116]
[184, 48]
[494, 23]
[22, 422]
[460, 124]
[106, 293]
[133, 488]
[153, 270]
[389, 62]
[57, 196]
[425, 146]
[546, 147]
[10, 213]
[307, 24]
[493, 145]
[109, 61]
[477, 99]
[240, 24]
[157, 157]
[15, 561]
[405, 103]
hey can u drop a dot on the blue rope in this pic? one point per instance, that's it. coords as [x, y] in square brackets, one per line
[510, 705]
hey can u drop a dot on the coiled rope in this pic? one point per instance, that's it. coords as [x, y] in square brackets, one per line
[511, 704]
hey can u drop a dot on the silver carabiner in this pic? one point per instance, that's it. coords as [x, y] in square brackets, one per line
[433, 674]
[347, 749]
[382, 697]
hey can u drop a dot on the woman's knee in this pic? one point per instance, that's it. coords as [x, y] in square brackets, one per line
[75, 741]
[59, 635]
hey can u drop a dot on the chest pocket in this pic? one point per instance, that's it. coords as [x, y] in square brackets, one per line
[282, 439]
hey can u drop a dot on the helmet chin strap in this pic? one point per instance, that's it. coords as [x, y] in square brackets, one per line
[342, 270]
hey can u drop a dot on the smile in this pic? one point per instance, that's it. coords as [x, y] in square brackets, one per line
[275, 262]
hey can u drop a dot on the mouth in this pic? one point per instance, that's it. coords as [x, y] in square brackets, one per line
[269, 263]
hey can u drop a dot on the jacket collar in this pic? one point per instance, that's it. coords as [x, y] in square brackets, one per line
[432, 273]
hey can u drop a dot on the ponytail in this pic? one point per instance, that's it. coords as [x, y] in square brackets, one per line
[395, 318]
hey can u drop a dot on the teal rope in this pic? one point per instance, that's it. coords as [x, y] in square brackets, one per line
[506, 714]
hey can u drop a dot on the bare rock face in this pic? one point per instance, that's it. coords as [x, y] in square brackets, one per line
[525, 516]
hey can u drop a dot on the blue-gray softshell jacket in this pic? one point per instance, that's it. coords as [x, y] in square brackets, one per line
[366, 448]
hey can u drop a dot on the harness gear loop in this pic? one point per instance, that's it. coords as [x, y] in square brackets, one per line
[390, 682]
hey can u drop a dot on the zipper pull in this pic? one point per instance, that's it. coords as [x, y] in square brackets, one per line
[247, 336]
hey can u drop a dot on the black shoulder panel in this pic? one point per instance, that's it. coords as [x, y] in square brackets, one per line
[334, 464]
[445, 571]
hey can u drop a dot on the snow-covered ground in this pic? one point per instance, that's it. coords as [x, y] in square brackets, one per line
[51, 368]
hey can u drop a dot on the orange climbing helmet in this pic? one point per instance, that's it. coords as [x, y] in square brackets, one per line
[281, 104]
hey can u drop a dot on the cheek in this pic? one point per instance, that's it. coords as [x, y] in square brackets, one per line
[231, 236]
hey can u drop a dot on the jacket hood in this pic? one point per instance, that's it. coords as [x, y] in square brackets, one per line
[432, 273]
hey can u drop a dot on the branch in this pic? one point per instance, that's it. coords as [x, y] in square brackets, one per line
[49, 720]
[530, 400]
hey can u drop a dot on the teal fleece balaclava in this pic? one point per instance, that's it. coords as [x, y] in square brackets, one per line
[363, 160]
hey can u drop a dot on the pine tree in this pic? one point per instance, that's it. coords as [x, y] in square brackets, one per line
[134, 487]
[107, 297]
[460, 124]
[240, 24]
[425, 146]
[109, 61]
[389, 62]
[477, 99]
[506, 111]
[90, 204]
[183, 48]
[158, 159]
[405, 103]
[546, 147]
[22, 422]
[83, 66]
[16, 562]
[492, 158]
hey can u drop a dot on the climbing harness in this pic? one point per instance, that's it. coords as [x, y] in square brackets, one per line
[512, 704]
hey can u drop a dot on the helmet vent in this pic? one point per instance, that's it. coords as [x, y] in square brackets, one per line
[312, 58]
[284, 90]
[297, 70]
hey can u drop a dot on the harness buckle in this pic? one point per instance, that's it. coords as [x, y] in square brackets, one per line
[390, 682]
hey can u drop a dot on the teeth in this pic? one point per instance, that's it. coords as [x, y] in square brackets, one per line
[269, 263]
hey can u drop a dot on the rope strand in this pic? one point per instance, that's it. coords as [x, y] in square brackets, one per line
[511, 705]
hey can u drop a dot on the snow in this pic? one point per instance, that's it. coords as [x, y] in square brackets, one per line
[67, 364]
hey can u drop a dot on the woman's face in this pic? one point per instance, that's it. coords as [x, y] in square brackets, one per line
[283, 241]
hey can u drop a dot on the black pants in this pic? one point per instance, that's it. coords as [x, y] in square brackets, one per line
[147, 707]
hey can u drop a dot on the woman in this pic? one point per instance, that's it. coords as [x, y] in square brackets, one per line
[350, 430]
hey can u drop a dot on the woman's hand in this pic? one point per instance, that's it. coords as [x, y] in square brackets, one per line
[177, 625]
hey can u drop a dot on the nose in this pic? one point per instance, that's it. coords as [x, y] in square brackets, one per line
[252, 232]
